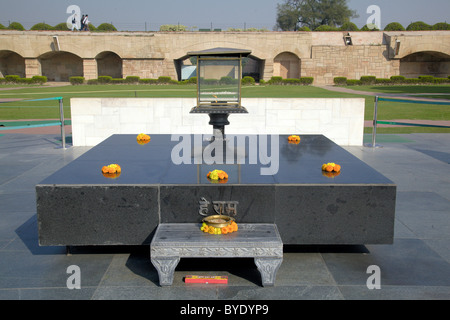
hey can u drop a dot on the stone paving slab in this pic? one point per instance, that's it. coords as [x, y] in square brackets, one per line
[415, 267]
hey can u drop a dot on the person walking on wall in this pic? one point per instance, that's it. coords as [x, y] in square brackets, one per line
[85, 23]
[82, 22]
[74, 22]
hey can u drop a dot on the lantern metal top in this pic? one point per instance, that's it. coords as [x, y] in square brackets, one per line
[221, 52]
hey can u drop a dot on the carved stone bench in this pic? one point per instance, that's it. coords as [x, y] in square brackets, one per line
[173, 241]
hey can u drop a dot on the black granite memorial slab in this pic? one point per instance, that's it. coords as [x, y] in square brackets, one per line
[164, 181]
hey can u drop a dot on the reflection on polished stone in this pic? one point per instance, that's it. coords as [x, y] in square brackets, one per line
[77, 203]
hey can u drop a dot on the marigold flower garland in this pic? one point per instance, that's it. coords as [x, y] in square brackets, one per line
[331, 167]
[111, 171]
[143, 138]
[217, 175]
[232, 227]
[294, 139]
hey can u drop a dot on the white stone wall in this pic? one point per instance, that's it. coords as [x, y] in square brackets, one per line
[95, 119]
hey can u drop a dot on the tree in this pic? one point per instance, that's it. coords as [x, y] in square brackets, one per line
[42, 26]
[105, 27]
[441, 26]
[419, 26]
[313, 13]
[16, 26]
[394, 26]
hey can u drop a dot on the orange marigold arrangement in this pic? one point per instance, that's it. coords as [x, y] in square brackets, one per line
[143, 138]
[217, 175]
[331, 167]
[111, 171]
[232, 227]
[294, 139]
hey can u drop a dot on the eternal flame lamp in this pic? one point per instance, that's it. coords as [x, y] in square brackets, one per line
[219, 73]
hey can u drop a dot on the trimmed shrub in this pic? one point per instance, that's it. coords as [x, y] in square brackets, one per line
[291, 81]
[76, 80]
[118, 81]
[192, 80]
[131, 79]
[352, 82]
[92, 81]
[382, 81]
[368, 80]
[410, 81]
[440, 80]
[2, 80]
[426, 79]
[306, 81]
[25, 81]
[12, 78]
[247, 81]
[164, 79]
[262, 81]
[397, 79]
[394, 26]
[227, 80]
[104, 79]
[275, 80]
[340, 81]
[419, 26]
[39, 79]
[148, 81]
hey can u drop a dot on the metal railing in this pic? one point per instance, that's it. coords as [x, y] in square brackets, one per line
[376, 121]
[61, 121]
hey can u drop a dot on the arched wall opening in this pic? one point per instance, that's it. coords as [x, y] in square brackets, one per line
[109, 64]
[287, 65]
[426, 63]
[11, 63]
[60, 66]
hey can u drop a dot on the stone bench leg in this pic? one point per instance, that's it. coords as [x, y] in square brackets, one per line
[268, 268]
[166, 268]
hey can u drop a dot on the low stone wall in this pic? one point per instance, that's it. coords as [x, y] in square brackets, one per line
[95, 119]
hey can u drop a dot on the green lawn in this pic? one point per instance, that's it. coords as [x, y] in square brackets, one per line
[386, 110]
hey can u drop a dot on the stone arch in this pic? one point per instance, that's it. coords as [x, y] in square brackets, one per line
[60, 66]
[425, 63]
[287, 65]
[11, 63]
[109, 64]
[254, 67]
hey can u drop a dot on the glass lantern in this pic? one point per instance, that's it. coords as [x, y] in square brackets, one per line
[219, 74]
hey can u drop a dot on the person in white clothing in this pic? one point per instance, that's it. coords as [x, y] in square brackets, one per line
[74, 23]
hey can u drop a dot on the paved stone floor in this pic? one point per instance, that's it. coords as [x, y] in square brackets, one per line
[415, 266]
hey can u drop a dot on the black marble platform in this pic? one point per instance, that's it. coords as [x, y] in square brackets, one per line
[77, 205]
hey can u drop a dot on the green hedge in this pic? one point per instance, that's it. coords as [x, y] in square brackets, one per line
[394, 80]
[247, 81]
[15, 79]
[76, 80]
[303, 81]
